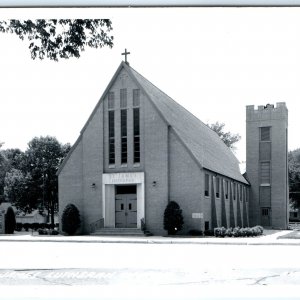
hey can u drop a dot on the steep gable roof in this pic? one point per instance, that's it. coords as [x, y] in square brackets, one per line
[204, 144]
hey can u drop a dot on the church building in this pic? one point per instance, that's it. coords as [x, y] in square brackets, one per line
[140, 149]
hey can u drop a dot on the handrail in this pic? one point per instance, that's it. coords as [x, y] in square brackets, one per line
[96, 225]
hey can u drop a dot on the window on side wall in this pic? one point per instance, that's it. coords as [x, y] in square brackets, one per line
[234, 190]
[206, 185]
[226, 189]
[217, 187]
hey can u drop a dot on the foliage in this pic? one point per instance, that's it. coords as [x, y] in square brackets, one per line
[238, 232]
[9, 159]
[230, 139]
[47, 231]
[173, 219]
[30, 180]
[10, 221]
[294, 177]
[70, 219]
[195, 232]
[60, 38]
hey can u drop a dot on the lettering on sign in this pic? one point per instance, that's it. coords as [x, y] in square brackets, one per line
[122, 178]
[197, 215]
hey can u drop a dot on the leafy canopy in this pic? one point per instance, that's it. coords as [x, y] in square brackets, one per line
[230, 139]
[61, 38]
[29, 180]
[294, 177]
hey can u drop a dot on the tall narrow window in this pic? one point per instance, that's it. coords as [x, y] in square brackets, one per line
[111, 100]
[226, 189]
[123, 136]
[123, 98]
[111, 128]
[234, 190]
[206, 185]
[136, 135]
[111, 136]
[218, 187]
[136, 98]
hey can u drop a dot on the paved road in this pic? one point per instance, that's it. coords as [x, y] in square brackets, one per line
[187, 267]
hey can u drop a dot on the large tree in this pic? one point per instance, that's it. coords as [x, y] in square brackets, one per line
[61, 38]
[34, 185]
[9, 159]
[294, 177]
[230, 139]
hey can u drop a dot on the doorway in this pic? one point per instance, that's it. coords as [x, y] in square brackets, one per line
[266, 217]
[126, 206]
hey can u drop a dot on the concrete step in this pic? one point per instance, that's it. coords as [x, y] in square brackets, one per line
[119, 232]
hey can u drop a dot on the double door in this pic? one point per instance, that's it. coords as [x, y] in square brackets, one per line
[126, 211]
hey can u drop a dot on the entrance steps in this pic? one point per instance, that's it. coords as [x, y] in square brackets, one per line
[119, 232]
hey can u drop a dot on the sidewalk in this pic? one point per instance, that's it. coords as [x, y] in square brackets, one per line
[270, 237]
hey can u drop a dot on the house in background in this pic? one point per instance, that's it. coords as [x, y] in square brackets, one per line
[140, 149]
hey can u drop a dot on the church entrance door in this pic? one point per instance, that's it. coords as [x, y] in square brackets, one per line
[126, 207]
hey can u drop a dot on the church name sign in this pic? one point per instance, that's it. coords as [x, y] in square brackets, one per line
[123, 178]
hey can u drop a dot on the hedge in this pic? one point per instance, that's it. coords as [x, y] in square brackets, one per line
[238, 232]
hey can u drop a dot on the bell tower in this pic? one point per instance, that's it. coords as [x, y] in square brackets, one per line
[267, 165]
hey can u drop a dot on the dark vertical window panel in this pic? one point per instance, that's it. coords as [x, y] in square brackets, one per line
[123, 98]
[206, 185]
[226, 189]
[111, 100]
[111, 136]
[136, 135]
[136, 97]
[123, 136]
[234, 190]
[217, 187]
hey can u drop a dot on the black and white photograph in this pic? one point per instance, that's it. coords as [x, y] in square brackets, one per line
[149, 152]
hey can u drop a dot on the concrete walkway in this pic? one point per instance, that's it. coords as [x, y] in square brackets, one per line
[270, 237]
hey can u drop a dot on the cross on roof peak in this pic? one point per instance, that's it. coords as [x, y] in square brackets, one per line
[126, 53]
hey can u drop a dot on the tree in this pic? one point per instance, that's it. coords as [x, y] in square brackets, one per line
[228, 138]
[61, 38]
[294, 177]
[34, 184]
[70, 219]
[10, 221]
[173, 219]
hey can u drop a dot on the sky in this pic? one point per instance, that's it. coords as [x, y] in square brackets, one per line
[213, 61]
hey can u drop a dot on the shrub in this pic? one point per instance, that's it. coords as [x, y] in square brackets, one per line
[19, 226]
[238, 232]
[10, 221]
[70, 219]
[220, 232]
[195, 232]
[209, 232]
[173, 219]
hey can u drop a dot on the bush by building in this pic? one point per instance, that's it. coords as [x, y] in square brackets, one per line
[10, 221]
[238, 232]
[70, 219]
[173, 218]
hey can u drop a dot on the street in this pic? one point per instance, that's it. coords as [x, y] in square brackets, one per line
[181, 267]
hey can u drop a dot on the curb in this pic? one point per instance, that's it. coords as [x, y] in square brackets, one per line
[155, 241]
